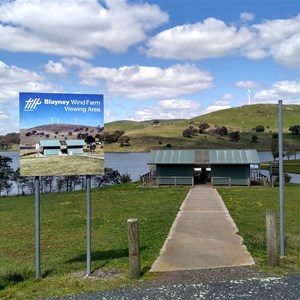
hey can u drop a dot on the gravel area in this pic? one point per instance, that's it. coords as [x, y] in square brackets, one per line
[222, 283]
[207, 275]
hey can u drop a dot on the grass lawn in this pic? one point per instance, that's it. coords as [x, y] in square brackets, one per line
[63, 235]
[61, 165]
[63, 238]
[248, 207]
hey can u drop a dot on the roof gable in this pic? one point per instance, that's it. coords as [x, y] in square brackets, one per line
[75, 142]
[218, 156]
[172, 157]
[235, 156]
[49, 143]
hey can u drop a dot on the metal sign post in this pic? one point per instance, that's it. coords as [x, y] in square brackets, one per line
[37, 228]
[88, 220]
[57, 112]
[281, 182]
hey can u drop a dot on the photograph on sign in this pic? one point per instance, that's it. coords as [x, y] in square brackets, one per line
[60, 134]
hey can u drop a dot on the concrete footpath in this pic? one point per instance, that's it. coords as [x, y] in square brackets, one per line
[202, 236]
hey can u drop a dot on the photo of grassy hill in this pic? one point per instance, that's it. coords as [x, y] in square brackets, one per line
[61, 149]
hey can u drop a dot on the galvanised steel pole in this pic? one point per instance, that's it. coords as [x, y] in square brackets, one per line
[88, 219]
[281, 179]
[37, 228]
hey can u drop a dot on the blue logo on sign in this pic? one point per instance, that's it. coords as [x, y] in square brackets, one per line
[32, 103]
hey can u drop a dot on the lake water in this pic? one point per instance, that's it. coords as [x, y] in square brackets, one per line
[135, 164]
[267, 156]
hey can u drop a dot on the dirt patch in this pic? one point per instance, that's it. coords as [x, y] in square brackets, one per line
[100, 273]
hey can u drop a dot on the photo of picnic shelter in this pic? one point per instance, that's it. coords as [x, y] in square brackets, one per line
[56, 147]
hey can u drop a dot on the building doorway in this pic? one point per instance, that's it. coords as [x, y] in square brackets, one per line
[202, 175]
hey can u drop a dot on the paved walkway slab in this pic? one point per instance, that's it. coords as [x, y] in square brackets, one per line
[203, 236]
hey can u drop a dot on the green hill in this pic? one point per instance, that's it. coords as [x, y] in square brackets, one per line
[248, 116]
[146, 135]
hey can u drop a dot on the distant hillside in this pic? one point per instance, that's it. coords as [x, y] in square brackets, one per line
[8, 141]
[31, 136]
[248, 116]
[147, 135]
[60, 127]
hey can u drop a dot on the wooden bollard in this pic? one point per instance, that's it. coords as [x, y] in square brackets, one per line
[134, 249]
[271, 239]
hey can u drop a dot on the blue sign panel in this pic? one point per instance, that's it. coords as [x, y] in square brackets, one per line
[61, 134]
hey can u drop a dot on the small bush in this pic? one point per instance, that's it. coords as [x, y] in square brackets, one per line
[259, 128]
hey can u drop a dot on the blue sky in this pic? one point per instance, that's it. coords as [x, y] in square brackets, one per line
[151, 59]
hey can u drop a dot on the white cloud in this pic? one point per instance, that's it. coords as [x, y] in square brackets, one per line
[227, 96]
[152, 113]
[288, 91]
[12, 81]
[247, 17]
[279, 39]
[216, 106]
[3, 117]
[212, 38]
[143, 82]
[246, 84]
[75, 27]
[164, 109]
[73, 61]
[55, 68]
[179, 105]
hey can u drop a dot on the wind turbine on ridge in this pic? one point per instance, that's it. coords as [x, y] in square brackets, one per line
[249, 96]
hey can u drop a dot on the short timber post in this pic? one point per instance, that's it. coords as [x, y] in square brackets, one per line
[271, 239]
[134, 250]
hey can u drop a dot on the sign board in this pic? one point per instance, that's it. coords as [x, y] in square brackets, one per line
[61, 134]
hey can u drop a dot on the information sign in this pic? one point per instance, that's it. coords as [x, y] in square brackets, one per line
[61, 134]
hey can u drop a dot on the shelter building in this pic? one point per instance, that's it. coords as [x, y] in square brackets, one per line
[75, 147]
[50, 147]
[56, 147]
[188, 167]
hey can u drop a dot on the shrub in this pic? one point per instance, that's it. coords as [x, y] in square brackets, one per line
[254, 138]
[260, 128]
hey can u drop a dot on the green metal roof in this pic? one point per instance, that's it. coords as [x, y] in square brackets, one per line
[172, 157]
[233, 156]
[49, 143]
[204, 156]
[75, 142]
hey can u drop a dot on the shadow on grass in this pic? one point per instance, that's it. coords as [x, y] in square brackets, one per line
[145, 270]
[103, 255]
[12, 278]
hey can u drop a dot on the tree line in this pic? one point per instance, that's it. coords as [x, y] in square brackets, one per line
[6, 141]
[10, 179]
[205, 128]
